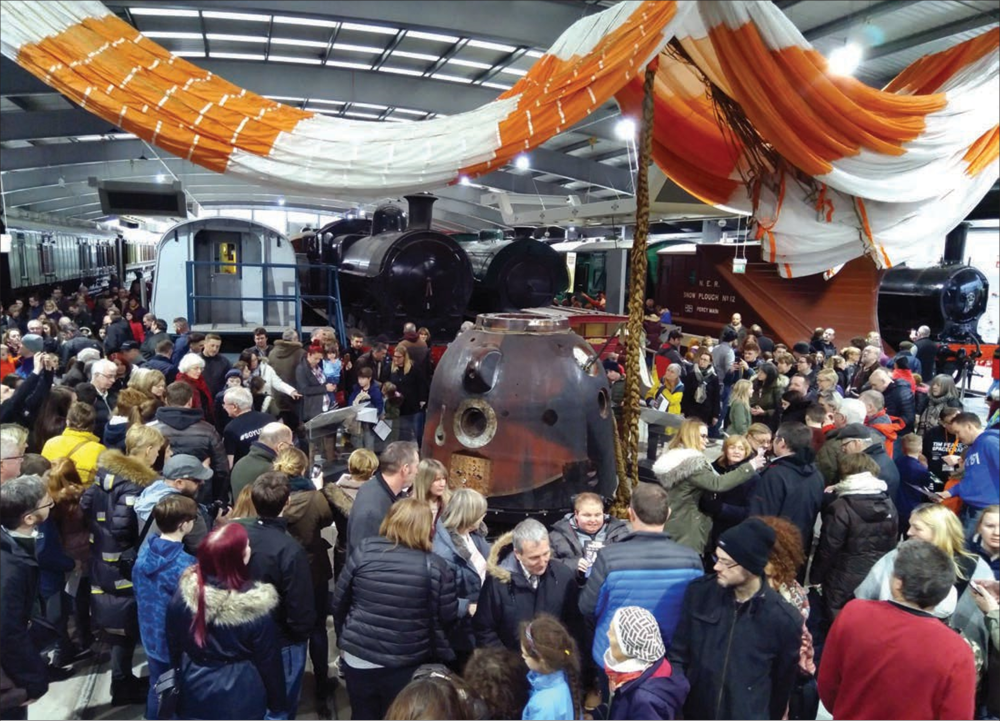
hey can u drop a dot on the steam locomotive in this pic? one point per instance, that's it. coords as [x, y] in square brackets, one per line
[394, 269]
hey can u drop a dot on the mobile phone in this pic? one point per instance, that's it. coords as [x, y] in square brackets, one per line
[975, 588]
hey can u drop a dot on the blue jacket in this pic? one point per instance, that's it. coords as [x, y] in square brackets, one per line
[912, 475]
[550, 697]
[53, 563]
[658, 694]
[374, 392]
[980, 486]
[164, 365]
[642, 569]
[238, 673]
[155, 577]
[467, 582]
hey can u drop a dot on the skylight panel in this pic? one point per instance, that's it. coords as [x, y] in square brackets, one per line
[225, 37]
[294, 59]
[484, 45]
[351, 66]
[400, 71]
[451, 78]
[237, 56]
[377, 29]
[433, 37]
[514, 71]
[347, 47]
[295, 42]
[310, 22]
[248, 17]
[164, 12]
[415, 56]
[169, 35]
[469, 63]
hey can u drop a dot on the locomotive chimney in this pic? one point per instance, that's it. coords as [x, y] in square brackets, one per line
[954, 245]
[420, 210]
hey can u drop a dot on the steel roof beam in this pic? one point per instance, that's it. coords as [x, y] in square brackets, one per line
[939, 33]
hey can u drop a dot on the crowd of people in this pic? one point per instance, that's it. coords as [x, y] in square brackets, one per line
[846, 526]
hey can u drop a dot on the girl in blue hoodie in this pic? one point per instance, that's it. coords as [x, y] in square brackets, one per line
[554, 670]
[155, 578]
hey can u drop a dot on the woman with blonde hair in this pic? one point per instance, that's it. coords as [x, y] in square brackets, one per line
[150, 381]
[411, 383]
[361, 466]
[938, 525]
[383, 646]
[244, 508]
[739, 407]
[729, 508]
[127, 413]
[431, 485]
[687, 475]
[459, 542]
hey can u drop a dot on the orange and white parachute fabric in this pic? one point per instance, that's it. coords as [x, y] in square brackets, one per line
[888, 171]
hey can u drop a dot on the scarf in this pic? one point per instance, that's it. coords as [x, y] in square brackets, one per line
[620, 673]
[858, 484]
[701, 392]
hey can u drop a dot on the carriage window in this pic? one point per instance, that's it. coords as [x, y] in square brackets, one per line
[227, 253]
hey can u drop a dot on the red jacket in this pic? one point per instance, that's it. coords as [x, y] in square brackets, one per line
[884, 661]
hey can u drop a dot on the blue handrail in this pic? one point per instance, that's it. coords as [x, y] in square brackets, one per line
[334, 306]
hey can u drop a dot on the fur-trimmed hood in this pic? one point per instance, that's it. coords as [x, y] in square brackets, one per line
[340, 498]
[229, 608]
[113, 464]
[860, 483]
[502, 561]
[678, 464]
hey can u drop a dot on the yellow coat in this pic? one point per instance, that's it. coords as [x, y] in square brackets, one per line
[81, 447]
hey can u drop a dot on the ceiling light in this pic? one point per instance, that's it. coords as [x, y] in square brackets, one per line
[373, 106]
[534, 54]
[165, 35]
[249, 17]
[570, 229]
[347, 47]
[522, 162]
[497, 86]
[289, 99]
[415, 56]
[845, 60]
[407, 111]
[351, 66]
[464, 180]
[400, 71]
[237, 38]
[625, 129]
[236, 56]
[483, 45]
[310, 22]
[514, 71]
[190, 53]
[451, 78]
[434, 37]
[160, 177]
[164, 12]
[325, 102]
[367, 116]
[281, 201]
[470, 64]
[298, 43]
[378, 29]
[293, 59]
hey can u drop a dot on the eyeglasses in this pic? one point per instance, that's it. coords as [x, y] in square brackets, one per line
[48, 505]
[724, 563]
[11, 458]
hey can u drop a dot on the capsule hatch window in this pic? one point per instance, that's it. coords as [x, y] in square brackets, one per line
[227, 255]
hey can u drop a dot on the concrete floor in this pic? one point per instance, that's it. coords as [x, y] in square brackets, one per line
[87, 694]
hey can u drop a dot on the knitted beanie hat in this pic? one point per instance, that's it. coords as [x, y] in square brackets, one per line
[638, 634]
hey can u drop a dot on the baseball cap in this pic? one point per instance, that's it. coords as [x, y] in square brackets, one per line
[854, 430]
[129, 345]
[185, 466]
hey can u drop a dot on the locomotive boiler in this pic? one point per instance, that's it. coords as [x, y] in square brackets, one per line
[948, 299]
[403, 272]
[514, 274]
[520, 410]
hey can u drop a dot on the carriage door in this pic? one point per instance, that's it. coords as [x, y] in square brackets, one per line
[220, 278]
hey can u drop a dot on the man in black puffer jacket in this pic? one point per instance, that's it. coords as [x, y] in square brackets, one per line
[792, 486]
[898, 397]
[521, 583]
[860, 525]
[188, 433]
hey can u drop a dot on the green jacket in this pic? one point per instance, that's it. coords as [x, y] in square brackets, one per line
[687, 474]
[739, 418]
[258, 460]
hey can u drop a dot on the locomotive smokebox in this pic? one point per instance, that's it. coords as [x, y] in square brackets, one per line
[421, 210]
[520, 410]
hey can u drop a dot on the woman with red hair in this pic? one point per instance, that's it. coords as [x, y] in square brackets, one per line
[222, 636]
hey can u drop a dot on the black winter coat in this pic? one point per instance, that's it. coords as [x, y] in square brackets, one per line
[740, 658]
[278, 559]
[214, 375]
[899, 403]
[373, 501]
[109, 508]
[710, 407]
[507, 599]
[188, 432]
[467, 582]
[565, 542]
[888, 471]
[118, 332]
[395, 606]
[412, 386]
[23, 406]
[238, 672]
[22, 663]
[858, 529]
[792, 489]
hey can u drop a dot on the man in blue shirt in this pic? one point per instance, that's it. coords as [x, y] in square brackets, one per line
[980, 486]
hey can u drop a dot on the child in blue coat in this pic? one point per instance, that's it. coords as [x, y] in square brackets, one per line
[554, 670]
